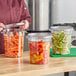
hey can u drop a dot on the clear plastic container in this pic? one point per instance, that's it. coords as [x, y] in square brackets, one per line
[13, 42]
[39, 46]
[61, 39]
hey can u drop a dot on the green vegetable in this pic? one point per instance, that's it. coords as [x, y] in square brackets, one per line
[61, 43]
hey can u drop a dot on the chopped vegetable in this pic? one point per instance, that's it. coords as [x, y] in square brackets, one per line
[61, 43]
[39, 52]
[13, 44]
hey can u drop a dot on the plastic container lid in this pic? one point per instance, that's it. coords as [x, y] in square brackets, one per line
[39, 36]
[67, 29]
[14, 25]
[57, 28]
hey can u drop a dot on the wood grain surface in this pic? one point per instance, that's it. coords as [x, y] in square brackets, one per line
[22, 67]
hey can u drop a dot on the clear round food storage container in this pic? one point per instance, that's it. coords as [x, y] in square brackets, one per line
[61, 39]
[13, 39]
[39, 47]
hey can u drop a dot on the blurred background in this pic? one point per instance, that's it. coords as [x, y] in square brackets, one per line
[44, 13]
[39, 10]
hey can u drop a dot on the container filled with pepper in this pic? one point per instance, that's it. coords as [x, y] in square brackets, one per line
[13, 38]
[39, 47]
[61, 39]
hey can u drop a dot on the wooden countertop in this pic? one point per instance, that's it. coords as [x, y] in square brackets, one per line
[18, 67]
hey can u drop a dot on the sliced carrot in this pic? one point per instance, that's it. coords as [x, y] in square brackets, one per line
[12, 45]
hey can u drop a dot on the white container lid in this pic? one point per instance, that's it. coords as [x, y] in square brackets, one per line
[67, 29]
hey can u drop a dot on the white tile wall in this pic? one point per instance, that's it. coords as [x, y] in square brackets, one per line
[63, 11]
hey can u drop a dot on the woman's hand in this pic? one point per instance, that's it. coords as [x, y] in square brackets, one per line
[26, 25]
[2, 26]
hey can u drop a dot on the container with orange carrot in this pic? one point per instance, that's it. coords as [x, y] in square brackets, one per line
[39, 46]
[13, 42]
